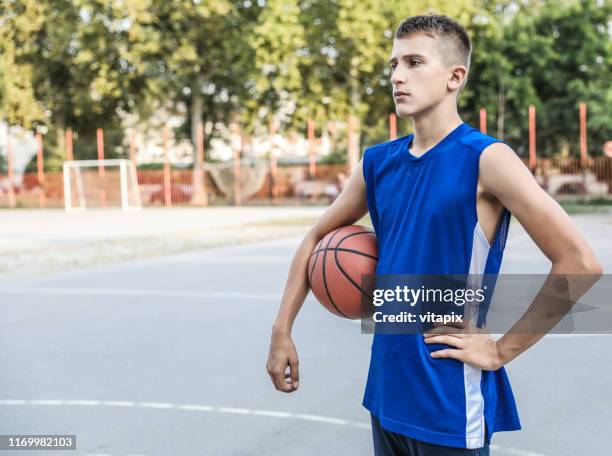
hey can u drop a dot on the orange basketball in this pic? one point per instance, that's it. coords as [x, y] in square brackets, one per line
[336, 265]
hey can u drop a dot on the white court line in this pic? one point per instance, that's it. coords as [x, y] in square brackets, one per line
[546, 336]
[305, 416]
[159, 405]
[230, 410]
[46, 402]
[185, 294]
[82, 402]
[14, 402]
[271, 413]
[186, 407]
[240, 411]
[199, 408]
[119, 403]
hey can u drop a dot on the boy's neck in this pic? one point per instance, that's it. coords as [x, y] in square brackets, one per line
[430, 128]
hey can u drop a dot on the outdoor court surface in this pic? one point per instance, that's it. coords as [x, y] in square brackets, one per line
[167, 356]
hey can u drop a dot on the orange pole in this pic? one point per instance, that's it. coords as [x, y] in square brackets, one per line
[200, 158]
[41, 171]
[392, 127]
[273, 164]
[69, 151]
[352, 143]
[101, 169]
[312, 165]
[583, 134]
[532, 137]
[9, 159]
[273, 175]
[167, 176]
[133, 167]
[237, 194]
[483, 121]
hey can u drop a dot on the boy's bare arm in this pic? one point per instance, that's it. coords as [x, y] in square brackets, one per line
[350, 206]
[553, 231]
[503, 175]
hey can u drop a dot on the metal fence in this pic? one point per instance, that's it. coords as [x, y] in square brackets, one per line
[574, 178]
[286, 185]
[562, 177]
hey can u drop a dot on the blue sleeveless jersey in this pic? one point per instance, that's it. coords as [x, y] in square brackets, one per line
[423, 210]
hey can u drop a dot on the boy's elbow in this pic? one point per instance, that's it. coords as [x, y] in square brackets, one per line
[313, 235]
[580, 263]
[596, 267]
[589, 264]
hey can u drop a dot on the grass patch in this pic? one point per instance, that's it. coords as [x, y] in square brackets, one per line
[599, 205]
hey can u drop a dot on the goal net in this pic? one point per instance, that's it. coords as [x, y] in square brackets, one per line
[100, 183]
[247, 176]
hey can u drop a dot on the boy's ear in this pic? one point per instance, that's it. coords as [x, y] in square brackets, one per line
[456, 77]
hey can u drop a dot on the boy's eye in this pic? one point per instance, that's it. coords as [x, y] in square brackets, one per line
[411, 62]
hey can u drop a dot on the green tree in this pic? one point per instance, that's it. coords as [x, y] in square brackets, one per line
[80, 69]
[278, 42]
[579, 70]
[17, 99]
[549, 54]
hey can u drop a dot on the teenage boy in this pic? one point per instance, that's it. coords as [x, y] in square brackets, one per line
[440, 201]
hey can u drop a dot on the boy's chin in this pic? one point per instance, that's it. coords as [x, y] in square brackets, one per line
[404, 111]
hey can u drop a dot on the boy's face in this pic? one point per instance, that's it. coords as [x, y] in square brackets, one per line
[418, 69]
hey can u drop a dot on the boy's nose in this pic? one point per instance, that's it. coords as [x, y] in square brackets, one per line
[397, 78]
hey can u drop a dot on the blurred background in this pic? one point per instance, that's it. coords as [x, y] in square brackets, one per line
[224, 129]
[265, 102]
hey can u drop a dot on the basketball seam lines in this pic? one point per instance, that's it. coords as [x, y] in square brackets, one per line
[317, 250]
[343, 249]
[325, 278]
[348, 250]
[342, 269]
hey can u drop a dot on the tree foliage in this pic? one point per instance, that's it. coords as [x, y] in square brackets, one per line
[80, 63]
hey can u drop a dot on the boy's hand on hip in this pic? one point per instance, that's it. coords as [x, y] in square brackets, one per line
[475, 347]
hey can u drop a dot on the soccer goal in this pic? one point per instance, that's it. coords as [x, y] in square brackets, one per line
[246, 177]
[100, 183]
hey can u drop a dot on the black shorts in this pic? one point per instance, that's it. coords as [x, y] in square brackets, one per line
[387, 443]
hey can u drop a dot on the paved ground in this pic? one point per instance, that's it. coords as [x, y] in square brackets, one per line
[38, 241]
[165, 356]
[21, 228]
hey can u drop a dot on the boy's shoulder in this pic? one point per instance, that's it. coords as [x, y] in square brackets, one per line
[476, 140]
